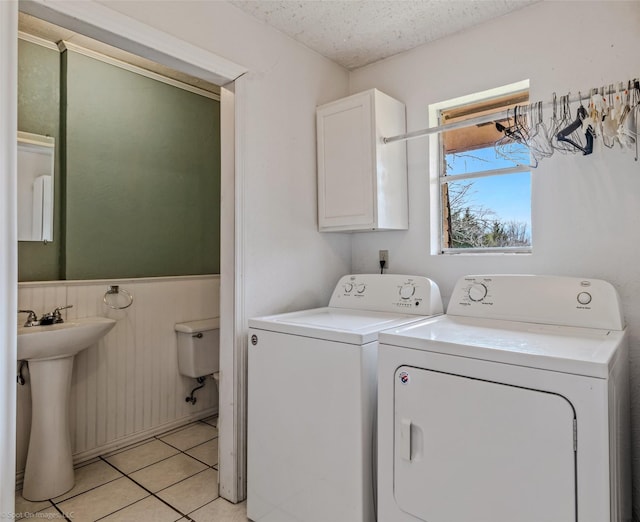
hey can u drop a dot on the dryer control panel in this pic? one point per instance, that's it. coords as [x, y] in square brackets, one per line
[566, 301]
[415, 295]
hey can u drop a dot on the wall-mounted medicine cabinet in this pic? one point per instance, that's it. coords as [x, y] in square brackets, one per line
[35, 187]
[362, 182]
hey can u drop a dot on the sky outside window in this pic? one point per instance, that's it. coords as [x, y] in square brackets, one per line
[509, 195]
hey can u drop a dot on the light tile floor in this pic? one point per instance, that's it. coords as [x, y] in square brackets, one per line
[168, 478]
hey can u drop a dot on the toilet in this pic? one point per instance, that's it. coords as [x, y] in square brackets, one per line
[199, 351]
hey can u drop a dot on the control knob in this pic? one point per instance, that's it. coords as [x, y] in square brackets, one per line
[407, 291]
[348, 287]
[584, 298]
[477, 292]
[360, 288]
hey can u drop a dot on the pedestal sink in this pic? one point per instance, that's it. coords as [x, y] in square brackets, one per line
[50, 351]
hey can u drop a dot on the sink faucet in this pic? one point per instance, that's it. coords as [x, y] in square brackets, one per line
[54, 317]
[32, 318]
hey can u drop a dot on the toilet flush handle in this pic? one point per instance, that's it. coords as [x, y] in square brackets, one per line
[198, 335]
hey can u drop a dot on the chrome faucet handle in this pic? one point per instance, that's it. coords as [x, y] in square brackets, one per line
[57, 316]
[32, 318]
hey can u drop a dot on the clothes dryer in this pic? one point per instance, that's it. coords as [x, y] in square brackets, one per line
[312, 399]
[512, 407]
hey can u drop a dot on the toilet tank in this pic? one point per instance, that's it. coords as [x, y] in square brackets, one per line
[198, 347]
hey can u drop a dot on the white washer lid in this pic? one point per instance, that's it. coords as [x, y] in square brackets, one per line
[579, 351]
[334, 324]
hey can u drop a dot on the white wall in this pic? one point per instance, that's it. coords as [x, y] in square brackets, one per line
[288, 264]
[586, 210]
[126, 387]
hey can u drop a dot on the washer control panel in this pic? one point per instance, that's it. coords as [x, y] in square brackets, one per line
[415, 295]
[568, 301]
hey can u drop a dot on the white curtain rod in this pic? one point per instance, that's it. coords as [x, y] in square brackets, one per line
[483, 119]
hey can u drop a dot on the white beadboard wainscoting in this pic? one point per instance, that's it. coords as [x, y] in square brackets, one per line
[126, 387]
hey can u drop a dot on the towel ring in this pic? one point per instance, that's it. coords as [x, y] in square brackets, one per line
[115, 290]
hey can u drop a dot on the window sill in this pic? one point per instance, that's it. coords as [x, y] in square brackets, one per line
[485, 251]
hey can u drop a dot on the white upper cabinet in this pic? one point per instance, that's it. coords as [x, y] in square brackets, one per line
[362, 182]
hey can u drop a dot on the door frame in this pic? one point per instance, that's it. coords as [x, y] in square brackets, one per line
[103, 24]
[8, 248]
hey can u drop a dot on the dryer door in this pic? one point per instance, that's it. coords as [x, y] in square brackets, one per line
[472, 450]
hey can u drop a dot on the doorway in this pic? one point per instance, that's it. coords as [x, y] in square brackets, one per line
[105, 25]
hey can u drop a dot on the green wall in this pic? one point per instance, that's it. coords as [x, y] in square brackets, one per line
[38, 113]
[140, 163]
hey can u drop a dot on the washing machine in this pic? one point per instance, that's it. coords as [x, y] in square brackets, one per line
[512, 407]
[312, 399]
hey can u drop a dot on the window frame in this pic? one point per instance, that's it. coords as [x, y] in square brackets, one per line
[436, 170]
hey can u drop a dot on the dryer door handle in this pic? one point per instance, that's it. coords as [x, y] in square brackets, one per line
[405, 439]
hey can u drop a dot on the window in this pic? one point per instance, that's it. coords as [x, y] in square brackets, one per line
[483, 180]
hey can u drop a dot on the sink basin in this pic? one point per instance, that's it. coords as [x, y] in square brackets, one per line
[49, 351]
[61, 340]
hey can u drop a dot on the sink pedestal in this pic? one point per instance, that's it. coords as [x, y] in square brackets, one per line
[50, 350]
[49, 470]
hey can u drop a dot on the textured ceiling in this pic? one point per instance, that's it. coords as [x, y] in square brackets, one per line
[354, 33]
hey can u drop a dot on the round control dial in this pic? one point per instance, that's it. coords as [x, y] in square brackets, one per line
[360, 288]
[348, 287]
[584, 298]
[407, 291]
[477, 292]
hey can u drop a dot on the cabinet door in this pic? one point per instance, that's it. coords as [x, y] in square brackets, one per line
[472, 450]
[346, 165]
